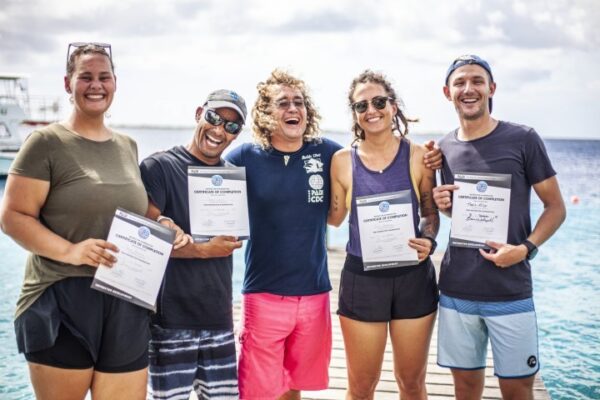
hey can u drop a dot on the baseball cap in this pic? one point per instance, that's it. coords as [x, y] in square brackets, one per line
[467, 60]
[227, 99]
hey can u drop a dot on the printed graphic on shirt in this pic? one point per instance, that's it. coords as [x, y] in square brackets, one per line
[315, 193]
[313, 163]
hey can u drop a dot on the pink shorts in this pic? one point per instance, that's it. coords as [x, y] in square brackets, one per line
[285, 344]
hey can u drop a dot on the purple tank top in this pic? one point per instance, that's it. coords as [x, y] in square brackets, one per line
[393, 178]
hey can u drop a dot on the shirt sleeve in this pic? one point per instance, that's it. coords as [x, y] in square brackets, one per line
[34, 158]
[235, 156]
[537, 163]
[154, 181]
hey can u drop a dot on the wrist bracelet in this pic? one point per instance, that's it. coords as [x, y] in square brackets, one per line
[163, 218]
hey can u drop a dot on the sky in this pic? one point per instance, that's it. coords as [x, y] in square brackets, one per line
[545, 55]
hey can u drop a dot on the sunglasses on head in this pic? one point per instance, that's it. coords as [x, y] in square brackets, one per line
[215, 119]
[75, 45]
[379, 102]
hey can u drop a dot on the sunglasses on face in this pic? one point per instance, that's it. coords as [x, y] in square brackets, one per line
[285, 104]
[215, 119]
[379, 102]
[75, 45]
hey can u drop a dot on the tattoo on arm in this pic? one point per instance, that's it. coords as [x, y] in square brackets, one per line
[336, 203]
[430, 219]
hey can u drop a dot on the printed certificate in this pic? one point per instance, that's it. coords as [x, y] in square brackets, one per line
[480, 209]
[218, 202]
[144, 250]
[385, 223]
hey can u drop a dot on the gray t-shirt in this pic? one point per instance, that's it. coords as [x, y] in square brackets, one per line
[509, 149]
[88, 181]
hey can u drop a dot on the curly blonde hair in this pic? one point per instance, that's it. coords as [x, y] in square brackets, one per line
[400, 120]
[262, 112]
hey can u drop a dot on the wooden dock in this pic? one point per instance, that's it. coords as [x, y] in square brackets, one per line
[438, 381]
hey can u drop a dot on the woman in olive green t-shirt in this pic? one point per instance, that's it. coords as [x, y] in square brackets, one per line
[59, 200]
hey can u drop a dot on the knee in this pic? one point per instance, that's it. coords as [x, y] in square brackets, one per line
[362, 388]
[411, 384]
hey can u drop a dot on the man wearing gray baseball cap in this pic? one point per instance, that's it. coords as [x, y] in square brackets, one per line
[192, 345]
[485, 285]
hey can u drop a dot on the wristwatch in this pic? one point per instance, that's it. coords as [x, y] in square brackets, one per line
[433, 244]
[532, 249]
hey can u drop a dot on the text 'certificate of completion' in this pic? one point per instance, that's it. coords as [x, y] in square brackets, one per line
[144, 250]
[480, 209]
[218, 202]
[385, 223]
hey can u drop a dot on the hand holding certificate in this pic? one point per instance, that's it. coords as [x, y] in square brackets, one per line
[145, 247]
[218, 202]
[480, 209]
[385, 224]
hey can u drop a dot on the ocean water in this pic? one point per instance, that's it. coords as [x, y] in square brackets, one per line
[566, 273]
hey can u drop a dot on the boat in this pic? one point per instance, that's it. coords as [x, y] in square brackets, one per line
[16, 116]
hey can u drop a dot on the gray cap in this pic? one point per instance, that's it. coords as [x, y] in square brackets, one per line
[227, 99]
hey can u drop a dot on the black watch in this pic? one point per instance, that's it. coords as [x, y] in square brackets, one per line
[532, 249]
[433, 244]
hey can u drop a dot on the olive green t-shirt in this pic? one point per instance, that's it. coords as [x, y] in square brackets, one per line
[88, 181]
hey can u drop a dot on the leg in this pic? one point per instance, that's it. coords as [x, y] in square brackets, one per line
[267, 321]
[124, 385]
[365, 344]
[308, 347]
[216, 376]
[468, 385]
[173, 360]
[48, 382]
[517, 389]
[410, 342]
[291, 395]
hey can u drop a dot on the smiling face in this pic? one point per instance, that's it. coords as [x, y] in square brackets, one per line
[92, 85]
[209, 140]
[470, 88]
[373, 121]
[289, 116]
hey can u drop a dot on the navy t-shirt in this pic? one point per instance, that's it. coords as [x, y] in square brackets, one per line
[509, 149]
[288, 199]
[196, 292]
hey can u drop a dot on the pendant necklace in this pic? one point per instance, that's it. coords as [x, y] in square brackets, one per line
[286, 159]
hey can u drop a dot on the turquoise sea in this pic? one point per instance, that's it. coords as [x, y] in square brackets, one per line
[566, 273]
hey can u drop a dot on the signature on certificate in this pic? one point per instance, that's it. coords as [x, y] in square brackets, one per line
[481, 217]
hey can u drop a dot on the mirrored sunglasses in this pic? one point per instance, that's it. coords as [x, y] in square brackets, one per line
[215, 119]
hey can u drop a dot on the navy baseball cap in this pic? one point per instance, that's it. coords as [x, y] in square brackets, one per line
[227, 99]
[467, 60]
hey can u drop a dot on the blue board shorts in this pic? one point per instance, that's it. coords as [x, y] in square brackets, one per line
[464, 327]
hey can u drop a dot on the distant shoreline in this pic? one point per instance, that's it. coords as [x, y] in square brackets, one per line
[326, 131]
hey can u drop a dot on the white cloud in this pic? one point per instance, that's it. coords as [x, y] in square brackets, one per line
[169, 55]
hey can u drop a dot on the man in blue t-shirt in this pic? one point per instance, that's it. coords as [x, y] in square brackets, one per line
[192, 345]
[486, 289]
[286, 334]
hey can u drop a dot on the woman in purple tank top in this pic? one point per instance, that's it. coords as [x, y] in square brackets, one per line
[403, 299]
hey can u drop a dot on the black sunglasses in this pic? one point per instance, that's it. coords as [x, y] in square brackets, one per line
[75, 45]
[215, 119]
[379, 102]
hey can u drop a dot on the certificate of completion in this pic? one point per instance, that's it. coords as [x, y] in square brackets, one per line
[144, 250]
[218, 202]
[480, 209]
[385, 223]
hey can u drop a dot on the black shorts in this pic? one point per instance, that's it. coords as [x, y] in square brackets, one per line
[75, 327]
[412, 294]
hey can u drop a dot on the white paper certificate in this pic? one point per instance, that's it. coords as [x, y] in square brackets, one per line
[218, 202]
[480, 209]
[144, 250]
[385, 223]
